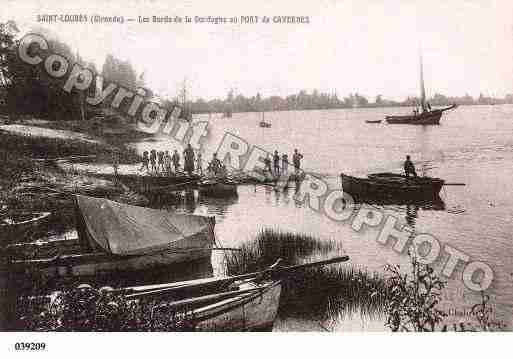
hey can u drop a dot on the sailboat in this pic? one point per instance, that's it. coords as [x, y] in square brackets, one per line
[426, 116]
[263, 123]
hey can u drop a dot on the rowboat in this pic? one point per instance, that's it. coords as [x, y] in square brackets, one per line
[218, 188]
[391, 185]
[245, 302]
[372, 121]
[264, 124]
[153, 183]
[20, 225]
[114, 237]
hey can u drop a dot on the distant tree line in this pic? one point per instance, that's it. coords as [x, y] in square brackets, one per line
[320, 100]
[27, 90]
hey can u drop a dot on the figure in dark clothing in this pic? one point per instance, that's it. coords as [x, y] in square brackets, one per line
[145, 161]
[276, 161]
[160, 165]
[409, 168]
[188, 155]
[176, 161]
[284, 164]
[215, 165]
[153, 160]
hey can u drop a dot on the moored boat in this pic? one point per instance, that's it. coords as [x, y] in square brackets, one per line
[217, 188]
[426, 116]
[391, 185]
[114, 237]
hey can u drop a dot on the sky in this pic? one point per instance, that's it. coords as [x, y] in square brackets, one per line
[366, 46]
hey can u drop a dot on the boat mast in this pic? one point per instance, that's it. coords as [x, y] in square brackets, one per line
[422, 88]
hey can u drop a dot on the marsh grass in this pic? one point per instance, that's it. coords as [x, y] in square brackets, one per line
[320, 292]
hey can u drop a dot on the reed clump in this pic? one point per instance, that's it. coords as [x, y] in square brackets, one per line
[320, 292]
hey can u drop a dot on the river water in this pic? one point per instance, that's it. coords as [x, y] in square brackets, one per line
[473, 145]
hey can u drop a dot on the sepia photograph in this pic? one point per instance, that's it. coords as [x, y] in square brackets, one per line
[341, 168]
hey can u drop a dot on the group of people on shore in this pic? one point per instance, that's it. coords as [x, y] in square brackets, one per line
[162, 162]
[279, 166]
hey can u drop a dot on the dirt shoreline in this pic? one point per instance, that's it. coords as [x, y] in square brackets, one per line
[31, 180]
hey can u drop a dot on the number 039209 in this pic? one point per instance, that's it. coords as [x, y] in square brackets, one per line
[29, 346]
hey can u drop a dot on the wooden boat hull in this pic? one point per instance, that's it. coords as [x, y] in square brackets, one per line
[248, 312]
[97, 264]
[218, 189]
[365, 188]
[20, 229]
[426, 118]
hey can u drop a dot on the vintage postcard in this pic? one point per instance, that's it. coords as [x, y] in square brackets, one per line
[294, 166]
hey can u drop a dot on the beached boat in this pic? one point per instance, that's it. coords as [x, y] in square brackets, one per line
[20, 225]
[391, 185]
[114, 237]
[217, 188]
[426, 116]
[246, 302]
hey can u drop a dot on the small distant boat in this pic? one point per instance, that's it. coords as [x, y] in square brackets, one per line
[218, 188]
[115, 237]
[426, 116]
[262, 123]
[372, 121]
[392, 185]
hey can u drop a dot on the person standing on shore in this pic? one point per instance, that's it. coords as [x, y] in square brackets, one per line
[145, 162]
[199, 162]
[267, 163]
[296, 159]
[176, 161]
[160, 165]
[153, 160]
[188, 155]
[215, 165]
[276, 161]
[167, 163]
[284, 164]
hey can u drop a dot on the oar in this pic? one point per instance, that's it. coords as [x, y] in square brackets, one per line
[195, 300]
[272, 270]
[454, 184]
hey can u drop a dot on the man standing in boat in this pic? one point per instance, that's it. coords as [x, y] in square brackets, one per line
[409, 168]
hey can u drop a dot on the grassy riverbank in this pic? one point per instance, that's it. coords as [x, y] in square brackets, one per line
[31, 181]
